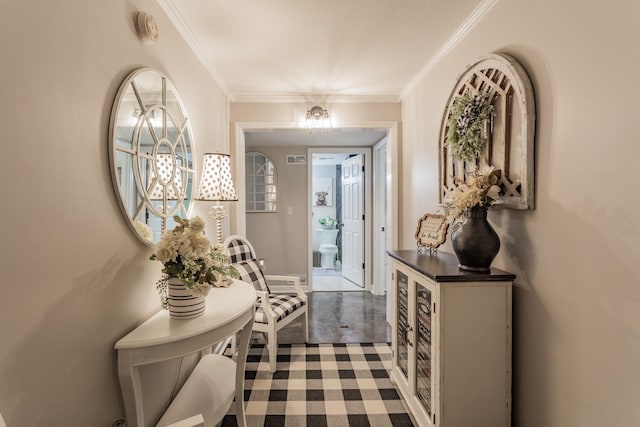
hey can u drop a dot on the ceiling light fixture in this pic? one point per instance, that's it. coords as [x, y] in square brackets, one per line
[318, 119]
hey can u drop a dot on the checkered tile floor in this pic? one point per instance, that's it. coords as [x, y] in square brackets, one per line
[321, 385]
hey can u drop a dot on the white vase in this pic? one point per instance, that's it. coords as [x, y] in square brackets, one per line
[182, 303]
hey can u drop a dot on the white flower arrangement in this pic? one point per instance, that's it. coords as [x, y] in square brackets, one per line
[187, 254]
[480, 188]
[466, 122]
[143, 230]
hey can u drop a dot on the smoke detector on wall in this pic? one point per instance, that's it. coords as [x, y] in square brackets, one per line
[146, 28]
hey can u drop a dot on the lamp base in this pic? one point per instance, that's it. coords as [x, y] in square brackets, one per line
[218, 213]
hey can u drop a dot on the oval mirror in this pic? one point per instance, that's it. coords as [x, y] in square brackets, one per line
[151, 149]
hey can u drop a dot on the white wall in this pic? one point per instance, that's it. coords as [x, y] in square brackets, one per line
[74, 278]
[577, 295]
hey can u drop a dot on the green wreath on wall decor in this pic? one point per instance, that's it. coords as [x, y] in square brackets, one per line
[466, 123]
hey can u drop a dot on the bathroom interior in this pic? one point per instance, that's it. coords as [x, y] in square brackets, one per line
[326, 224]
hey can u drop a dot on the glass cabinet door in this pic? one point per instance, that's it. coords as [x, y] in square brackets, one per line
[423, 347]
[402, 322]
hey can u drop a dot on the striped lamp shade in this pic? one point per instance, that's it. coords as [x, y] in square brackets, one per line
[215, 182]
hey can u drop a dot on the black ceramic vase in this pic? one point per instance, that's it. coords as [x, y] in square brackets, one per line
[475, 242]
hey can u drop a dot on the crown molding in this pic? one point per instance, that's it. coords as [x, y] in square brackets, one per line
[178, 22]
[472, 20]
[332, 99]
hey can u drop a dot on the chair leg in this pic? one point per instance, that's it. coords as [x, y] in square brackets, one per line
[306, 326]
[234, 347]
[272, 343]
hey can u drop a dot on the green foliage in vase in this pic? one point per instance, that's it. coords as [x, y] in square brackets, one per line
[328, 221]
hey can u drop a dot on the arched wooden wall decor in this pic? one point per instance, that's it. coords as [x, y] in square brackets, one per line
[509, 144]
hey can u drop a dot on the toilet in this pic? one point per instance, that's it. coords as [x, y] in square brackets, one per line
[326, 239]
[328, 253]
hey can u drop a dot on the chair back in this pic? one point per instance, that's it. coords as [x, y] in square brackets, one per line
[239, 249]
[243, 257]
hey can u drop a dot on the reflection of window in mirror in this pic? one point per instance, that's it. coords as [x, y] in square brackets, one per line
[261, 183]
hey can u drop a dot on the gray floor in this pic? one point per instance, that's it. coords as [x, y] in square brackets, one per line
[340, 317]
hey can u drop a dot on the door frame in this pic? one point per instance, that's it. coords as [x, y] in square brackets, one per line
[379, 218]
[237, 217]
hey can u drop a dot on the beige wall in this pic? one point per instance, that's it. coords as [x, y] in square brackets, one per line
[74, 278]
[577, 295]
[256, 112]
[280, 238]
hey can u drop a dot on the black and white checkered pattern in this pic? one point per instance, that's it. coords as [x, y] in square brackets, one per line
[239, 251]
[337, 385]
[250, 272]
[281, 304]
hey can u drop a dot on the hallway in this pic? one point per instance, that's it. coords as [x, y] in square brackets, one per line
[340, 317]
[340, 378]
[325, 279]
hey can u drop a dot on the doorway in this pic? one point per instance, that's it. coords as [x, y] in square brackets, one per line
[237, 219]
[339, 232]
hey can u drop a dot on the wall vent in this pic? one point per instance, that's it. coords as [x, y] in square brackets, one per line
[296, 159]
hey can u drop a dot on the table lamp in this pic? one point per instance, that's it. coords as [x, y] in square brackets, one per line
[216, 185]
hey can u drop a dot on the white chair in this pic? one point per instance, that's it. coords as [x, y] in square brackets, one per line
[195, 421]
[206, 395]
[273, 311]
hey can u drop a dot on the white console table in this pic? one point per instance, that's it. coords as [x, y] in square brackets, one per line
[161, 338]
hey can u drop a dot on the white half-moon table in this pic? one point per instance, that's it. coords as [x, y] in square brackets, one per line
[160, 338]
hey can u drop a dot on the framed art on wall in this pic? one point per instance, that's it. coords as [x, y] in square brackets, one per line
[493, 98]
[323, 192]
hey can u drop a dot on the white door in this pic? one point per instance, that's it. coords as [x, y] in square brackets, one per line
[353, 219]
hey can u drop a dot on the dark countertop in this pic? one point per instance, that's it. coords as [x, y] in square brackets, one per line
[443, 267]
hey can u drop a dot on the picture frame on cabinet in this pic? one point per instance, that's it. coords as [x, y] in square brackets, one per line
[431, 231]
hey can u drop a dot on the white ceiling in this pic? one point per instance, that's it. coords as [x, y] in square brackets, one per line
[320, 51]
[317, 50]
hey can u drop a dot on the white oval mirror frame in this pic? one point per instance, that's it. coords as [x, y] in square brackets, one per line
[151, 154]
